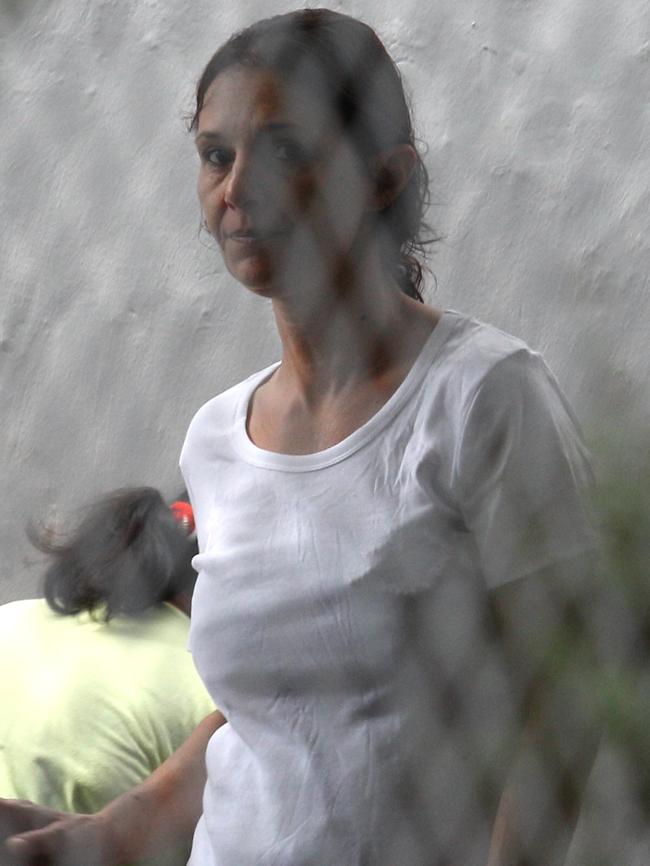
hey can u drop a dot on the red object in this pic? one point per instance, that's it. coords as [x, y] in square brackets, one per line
[184, 515]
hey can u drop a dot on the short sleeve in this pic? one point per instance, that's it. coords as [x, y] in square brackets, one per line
[522, 471]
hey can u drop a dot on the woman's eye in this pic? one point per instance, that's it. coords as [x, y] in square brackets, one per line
[290, 152]
[217, 157]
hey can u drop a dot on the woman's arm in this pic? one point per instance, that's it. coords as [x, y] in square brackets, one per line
[160, 812]
[543, 623]
[524, 484]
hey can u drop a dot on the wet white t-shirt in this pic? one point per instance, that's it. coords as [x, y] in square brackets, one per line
[338, 615]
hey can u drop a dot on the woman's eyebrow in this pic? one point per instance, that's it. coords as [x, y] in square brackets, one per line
[273, 127]
[208, 135]
[279, 126]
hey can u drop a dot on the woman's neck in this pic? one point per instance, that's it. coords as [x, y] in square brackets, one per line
[334, 339]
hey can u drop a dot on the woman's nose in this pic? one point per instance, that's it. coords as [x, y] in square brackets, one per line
[240, 185]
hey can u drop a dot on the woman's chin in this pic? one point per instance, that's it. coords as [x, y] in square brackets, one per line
[257, 278]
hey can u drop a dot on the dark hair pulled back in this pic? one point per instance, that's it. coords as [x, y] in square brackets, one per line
[127, 555]
[345, 63]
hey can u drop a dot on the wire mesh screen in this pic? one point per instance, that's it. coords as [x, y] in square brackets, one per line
[517, 719]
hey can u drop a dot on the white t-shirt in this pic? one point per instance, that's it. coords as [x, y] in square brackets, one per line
[337, 618]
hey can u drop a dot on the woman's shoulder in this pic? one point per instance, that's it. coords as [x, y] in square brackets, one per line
[475, 366]
[474, 343]
[475, 353]
[217, 415]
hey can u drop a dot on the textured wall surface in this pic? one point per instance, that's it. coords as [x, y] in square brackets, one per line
[117, 320]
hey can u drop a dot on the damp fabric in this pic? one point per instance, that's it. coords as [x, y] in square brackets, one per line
[337, 617]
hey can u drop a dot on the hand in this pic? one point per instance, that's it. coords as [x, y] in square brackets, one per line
[32, 835]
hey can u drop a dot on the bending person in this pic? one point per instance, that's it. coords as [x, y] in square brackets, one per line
[97, 687]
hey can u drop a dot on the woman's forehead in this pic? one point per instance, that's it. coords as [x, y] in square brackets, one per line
[256, 97]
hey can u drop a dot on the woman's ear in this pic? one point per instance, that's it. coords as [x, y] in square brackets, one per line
[393, 171]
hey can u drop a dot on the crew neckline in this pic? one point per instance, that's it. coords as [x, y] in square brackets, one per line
[280, 461]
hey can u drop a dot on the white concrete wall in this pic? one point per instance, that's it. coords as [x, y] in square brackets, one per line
[117, 321]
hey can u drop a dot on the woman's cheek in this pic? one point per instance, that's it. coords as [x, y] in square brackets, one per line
[304, 193]
[206, 188]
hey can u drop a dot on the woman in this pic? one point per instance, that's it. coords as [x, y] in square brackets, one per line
[401, 487]
[97, 688]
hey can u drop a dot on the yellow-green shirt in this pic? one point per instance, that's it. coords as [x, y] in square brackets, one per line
[88, 709]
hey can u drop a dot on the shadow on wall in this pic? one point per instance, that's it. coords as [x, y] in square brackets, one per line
[15, 11]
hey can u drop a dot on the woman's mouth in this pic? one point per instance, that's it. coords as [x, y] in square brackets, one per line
[253, 236]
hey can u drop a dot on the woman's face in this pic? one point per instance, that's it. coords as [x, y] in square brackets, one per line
[280, 187]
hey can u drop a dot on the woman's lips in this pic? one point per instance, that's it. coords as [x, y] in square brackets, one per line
[253, 236]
